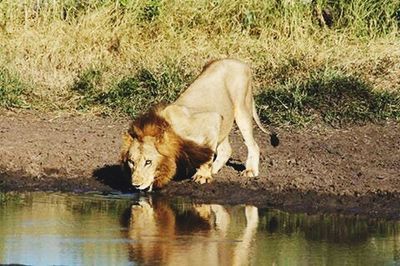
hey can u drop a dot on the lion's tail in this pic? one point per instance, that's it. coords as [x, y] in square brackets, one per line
[271, 130]
[258, 121]
[272, 133]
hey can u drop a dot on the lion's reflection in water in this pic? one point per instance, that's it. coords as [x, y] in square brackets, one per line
[190, 234]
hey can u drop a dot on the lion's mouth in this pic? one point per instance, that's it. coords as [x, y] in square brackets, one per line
[145, 187]
[149, 188]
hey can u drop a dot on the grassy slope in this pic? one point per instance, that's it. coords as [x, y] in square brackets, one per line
[123, 55]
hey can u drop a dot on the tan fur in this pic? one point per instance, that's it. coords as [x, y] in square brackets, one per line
[176, 153]
[158, 218]
[185, 134]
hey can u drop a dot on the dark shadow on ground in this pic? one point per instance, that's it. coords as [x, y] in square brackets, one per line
[238, 166]
[114, 177]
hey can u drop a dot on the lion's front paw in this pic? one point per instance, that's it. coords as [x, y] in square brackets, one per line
[249, 173]
[203, 210]
[202, 179]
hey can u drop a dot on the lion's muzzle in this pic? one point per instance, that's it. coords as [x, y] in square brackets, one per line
[142, 183]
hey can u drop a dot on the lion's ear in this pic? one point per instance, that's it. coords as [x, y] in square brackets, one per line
[126, 144]
[134, 131]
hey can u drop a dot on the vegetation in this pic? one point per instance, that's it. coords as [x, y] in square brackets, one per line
[313, 61]
[131, 94]
[334, 98]
[11, 90]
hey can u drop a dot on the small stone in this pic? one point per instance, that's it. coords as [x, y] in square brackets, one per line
[292, 162]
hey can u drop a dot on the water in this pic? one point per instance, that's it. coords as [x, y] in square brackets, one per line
[66, 229]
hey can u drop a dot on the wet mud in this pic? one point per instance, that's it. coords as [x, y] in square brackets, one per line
[353, 170]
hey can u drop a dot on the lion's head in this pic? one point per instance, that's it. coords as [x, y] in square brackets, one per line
[153, 152]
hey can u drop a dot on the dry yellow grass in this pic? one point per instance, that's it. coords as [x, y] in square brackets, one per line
[49, 43]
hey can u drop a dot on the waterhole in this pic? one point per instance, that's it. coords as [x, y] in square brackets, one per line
[68, 229]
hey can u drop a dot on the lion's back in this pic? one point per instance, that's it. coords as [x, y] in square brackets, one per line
[217, 86]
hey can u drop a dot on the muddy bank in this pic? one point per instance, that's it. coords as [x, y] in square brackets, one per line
[354, 170]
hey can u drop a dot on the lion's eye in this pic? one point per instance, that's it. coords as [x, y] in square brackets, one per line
[147, 162]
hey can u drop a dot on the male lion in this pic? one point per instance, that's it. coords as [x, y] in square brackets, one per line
[154, 218]
[187, 133]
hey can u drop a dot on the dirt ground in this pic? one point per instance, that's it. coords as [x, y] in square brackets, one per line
[352, 171]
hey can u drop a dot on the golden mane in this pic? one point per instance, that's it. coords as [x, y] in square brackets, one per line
[149, 124]
[179, 156]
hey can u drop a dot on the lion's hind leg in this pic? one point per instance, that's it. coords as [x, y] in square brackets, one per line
[244, 120]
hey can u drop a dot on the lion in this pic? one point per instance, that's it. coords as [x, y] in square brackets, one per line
[173, 139]
[190, 233]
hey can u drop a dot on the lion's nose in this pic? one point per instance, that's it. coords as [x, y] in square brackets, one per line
[136, 182]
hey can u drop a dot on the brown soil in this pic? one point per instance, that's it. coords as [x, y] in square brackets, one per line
[354, 170]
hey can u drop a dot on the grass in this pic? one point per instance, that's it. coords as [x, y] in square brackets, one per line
[12, 90]
[131, 94]
[123, 55]
[333, 98]
[329, 97]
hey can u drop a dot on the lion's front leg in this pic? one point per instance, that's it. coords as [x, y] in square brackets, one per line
[210, 138]
[203, 174]
[202, 128]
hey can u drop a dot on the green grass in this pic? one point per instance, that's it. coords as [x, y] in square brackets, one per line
[131, 94]
[329, 97]
[121, 56]
[12, 90]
